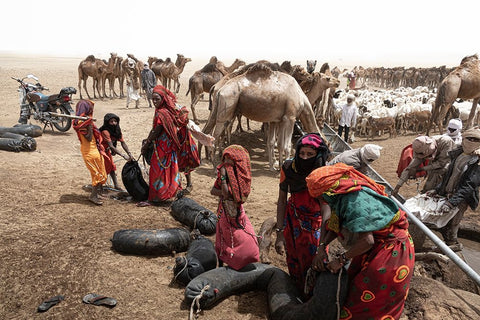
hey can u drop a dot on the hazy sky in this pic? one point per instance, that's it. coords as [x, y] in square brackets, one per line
[348, 32]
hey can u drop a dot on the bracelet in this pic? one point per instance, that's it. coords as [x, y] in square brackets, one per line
[279, 229]
[223, 178]
[322, 244]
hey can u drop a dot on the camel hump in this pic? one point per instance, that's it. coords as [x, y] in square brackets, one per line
[469, 59]
[260, 69]
[168, 60]
[209, 67]
[90, 58]
[325, 67]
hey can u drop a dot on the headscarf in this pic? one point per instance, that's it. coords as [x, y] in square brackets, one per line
[115, 130]
[457, 125]
[239, 173]
[471, 147]
[351, 97]
[314, 141]
[171, 117]
[84, 108]
[370, 152]
[339, 179]
[295, 171]
[359, 212]
[423, 147]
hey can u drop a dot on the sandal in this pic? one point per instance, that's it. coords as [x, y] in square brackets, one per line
[99, 300]
[96, 201]
[47, 304]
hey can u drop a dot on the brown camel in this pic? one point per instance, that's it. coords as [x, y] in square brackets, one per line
[463, 82]
[317, 89]
[91, 67]
[267, 96]
[203, 80]
[110, 76]
[170, 71]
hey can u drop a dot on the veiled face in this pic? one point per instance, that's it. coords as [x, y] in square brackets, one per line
[307, 152]
[112, 122]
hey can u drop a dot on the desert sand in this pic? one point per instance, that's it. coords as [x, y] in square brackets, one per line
[54, 241]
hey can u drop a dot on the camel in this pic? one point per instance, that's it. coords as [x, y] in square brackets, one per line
[119, 74]
[110, 75]
[463, 82]
[317, 89]
[311, 66]
[267, 96]
[167, 70]
[203, 80]
[91, 67]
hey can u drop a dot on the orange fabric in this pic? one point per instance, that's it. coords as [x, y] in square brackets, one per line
[338, 179]
[93, 160]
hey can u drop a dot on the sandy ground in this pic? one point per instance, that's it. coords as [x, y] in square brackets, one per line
[56, 242]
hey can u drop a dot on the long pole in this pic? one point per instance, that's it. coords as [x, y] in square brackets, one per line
[448, 252]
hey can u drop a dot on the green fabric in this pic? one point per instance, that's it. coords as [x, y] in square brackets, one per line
[362, 211]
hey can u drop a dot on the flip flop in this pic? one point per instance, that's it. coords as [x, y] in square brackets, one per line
[144, 204]
[99, 300]
[47, 304]
[97, 201]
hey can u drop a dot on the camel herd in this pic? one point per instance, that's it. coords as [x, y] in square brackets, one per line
[276, 95]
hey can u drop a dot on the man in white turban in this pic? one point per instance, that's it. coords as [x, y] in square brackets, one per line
[349, 117]
[435, 149]
[460, 183]
[454, 131]
[359, 158]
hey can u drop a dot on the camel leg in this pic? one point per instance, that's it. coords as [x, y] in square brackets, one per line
[85, 88]
[472, 114]
[239, 125]
[271, 145]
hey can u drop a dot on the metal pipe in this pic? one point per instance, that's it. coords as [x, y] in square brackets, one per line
[446, 250]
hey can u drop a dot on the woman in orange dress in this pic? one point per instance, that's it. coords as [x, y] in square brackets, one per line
[91, 148]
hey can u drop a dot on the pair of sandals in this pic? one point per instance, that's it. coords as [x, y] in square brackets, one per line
[91, 298]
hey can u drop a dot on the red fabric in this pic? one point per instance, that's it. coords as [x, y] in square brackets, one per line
[380, 278]
[303, 222]
[239, 173]
[188, 157]
[168, 115]
[164, 176]
[338, 179]
[108, 157]
[234, 245]
[405, 158]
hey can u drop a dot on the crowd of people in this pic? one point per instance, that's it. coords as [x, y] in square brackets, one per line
[320, 197]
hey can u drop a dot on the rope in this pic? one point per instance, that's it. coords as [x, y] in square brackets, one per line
[196, 303]
[338, 293]
[183, 269]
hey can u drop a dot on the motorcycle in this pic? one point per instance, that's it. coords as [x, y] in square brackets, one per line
[53, 110]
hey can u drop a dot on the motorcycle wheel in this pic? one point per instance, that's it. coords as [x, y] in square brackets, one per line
[62, 123]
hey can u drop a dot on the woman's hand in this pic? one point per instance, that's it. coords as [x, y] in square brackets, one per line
[335, 265]
[280, 244]
[319, 259]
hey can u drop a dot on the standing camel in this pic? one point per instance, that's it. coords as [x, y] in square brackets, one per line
[263, 95]
[91, 67]
[110, 76]
[172, 72]
[203, 80]
[463, 82]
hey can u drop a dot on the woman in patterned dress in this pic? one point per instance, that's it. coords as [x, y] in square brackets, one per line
[381, 259]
